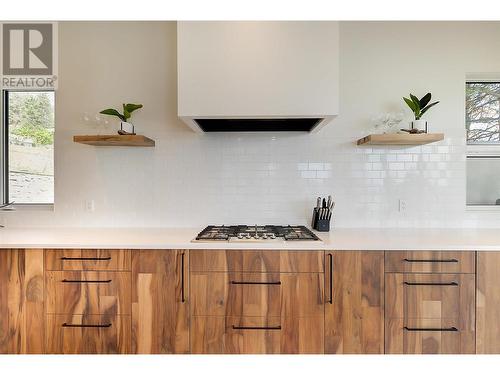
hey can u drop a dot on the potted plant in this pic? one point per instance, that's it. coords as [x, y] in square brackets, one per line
[125, 126]
[419, 107]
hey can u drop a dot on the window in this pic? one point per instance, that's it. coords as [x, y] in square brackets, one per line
[482, 121]
[482, 118]
[28, 147]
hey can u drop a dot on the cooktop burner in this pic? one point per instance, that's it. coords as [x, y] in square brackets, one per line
[256, 233]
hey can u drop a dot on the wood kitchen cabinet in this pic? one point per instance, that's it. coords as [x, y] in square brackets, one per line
[87, 301]
[87, 260]
[354, 306]
[249, 302]
[160, 301]
[430, 312]
[21, 301]
[91, 301]
[430, 261]
[88, 334]
[488, 302]
[87, 292]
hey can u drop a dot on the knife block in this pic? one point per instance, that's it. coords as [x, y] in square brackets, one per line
[321, 225]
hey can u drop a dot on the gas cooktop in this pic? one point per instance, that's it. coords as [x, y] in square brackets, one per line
[256, 233]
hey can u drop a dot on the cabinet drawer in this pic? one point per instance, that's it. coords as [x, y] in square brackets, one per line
[428, 336]
[87, 334]
[257, 294]
[256, 335]
[433, 296]
[91, 260]
[256, 261]
[87, 292]
[430, 261]
[430, 313]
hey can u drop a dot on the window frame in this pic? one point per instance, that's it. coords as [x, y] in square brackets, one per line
[480, 150]
[4, 155]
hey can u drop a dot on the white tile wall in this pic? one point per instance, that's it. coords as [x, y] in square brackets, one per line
[193, 180]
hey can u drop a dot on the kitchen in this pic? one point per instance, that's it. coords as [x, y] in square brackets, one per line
[269, 202]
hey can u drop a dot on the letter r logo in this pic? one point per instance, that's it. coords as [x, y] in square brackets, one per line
[27, 49]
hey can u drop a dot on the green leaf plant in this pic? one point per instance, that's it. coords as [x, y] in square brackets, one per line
[419, 106]
[127, 111]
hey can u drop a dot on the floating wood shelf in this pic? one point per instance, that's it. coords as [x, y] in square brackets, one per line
[115, 140]
[400, 139]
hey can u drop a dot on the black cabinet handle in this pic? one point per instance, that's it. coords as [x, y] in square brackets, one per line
[330, 258]
[431, 260]
[68, 325]
[254, 328]
[453, 283]
[183, 297]
[86, 258]
[86, 281]
[451, 329]
[256, 282]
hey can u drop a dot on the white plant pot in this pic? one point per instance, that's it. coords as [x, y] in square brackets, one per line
[419, 125]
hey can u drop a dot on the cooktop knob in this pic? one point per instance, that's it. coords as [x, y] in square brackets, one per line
[248, 236]
[240, 236]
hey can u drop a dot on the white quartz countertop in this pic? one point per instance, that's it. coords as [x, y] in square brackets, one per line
[181, 238]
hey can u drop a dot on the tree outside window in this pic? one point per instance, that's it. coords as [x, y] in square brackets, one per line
[31, 146]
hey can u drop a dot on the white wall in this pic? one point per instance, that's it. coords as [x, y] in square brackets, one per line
[193, 180]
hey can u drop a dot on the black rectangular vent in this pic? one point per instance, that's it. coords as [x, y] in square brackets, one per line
[258, 125]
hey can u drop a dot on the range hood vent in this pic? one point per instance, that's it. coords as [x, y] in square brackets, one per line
[257, 76]
[258, 125]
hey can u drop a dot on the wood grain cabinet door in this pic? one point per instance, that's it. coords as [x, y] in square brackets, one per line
[88, 334]
[235, 335]
[430, 313]
[488, 302]
[87, 292]
[257, 335]
[248, 301]
[87, 260]
[354, 303]
[235, 294]
[160, 301]
[21, 301]
[430, 261]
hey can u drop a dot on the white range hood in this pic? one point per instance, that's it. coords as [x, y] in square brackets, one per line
[257, 76]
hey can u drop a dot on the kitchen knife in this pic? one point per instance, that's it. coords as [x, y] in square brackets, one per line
[324, 203]
[329, 203]
[318, 203]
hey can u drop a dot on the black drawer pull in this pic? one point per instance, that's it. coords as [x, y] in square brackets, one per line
[68, 325]
[453, 283]
[256, 282]
[243, 327]
[86, 281]
[330, 258]
[451, 329]
[84, 258]
[183, 297]
[431, 260]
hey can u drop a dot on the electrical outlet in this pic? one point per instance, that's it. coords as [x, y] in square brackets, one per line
[402, 205]
[90, 205]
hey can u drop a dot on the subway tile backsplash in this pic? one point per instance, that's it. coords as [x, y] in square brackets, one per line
[259, 178]
[191, 180]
